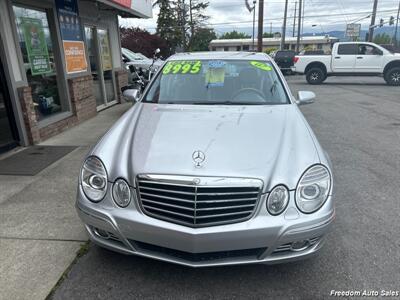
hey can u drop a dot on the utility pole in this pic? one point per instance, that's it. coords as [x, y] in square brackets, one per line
[294, 18]
[371, 27]
[303, 11]
[254, 23]
[284, 27]
[299, 27]
[260, 25]
[397, 26]
[181, 17]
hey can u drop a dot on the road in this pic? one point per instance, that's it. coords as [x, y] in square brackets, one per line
[357, 121]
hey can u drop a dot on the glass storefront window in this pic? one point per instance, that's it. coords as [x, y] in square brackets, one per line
[99, 52]
[36, 42]
[106, 62]
[92, 53]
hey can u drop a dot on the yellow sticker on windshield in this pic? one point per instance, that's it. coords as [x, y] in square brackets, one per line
[182, 67]
[215, 75]
[261, 65]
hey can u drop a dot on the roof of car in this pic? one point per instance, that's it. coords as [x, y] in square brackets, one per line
[220, 55]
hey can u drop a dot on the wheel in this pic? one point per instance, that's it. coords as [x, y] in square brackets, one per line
[392, 76]
[315, 76]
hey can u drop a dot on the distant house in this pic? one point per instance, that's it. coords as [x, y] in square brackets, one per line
[309, 42]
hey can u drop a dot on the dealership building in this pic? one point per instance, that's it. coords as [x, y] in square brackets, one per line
[310, 42]
[60, 63]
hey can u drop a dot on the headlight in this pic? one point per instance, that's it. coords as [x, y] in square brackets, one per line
[277, 200]
[121, 193]
[94, 179]
[313, 189]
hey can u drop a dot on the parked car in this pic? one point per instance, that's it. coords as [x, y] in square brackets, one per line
[349, 58]
[284, 59]
[214, 165]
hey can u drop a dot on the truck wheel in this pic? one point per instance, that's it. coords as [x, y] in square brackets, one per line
[315, 76]
[392, 77]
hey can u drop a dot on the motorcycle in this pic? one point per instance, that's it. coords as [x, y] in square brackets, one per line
[142, 77]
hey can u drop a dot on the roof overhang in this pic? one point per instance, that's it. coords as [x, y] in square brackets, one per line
[129, 8]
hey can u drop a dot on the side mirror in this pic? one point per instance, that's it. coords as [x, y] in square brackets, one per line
[378, 52]
[305, 97]
[125, 60]
[132, 95]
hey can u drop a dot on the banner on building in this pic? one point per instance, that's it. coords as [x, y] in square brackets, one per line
[125, 3]
[72, 37]
[36, 46]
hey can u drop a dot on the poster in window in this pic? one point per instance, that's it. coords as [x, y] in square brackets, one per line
[71, 34]
[105, 51]
[36, 46]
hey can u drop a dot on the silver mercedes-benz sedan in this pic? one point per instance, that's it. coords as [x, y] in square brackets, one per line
[214, 165]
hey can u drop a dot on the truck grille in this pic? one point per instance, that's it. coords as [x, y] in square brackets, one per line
[198, 202]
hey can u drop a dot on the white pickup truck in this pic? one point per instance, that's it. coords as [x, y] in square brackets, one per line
[350, 58]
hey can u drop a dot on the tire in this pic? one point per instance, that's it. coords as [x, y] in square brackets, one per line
[392, 76]
[315, 76]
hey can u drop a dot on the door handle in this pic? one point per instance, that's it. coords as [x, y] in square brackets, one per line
[337, 57]
[359, 57]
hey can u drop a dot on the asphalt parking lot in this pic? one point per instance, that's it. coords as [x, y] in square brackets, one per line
[357, 121]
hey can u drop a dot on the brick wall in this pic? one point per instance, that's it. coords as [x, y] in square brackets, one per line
[82, 98]
[121, 78]
[29, 114]
[83, 107]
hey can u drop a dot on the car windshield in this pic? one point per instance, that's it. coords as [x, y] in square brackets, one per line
[131, 55]
[231, 82]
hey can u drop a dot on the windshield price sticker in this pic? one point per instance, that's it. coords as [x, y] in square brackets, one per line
[261, 65]
[215, 76]
[182, 67]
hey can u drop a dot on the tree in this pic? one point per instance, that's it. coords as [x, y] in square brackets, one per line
[234, 35]
[202, 38]
[268, 35]
[167, 24]
[190, 17]
[382, 39]
[142, 41]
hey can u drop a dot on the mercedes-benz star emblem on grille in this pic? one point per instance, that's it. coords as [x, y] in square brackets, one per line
[198, 158]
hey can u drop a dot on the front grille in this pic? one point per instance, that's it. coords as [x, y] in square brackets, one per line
[198, 202]
[199, 257]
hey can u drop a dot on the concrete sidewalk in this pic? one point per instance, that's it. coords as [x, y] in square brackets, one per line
[40, 232]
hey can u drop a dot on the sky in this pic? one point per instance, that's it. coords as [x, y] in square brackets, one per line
[320, 15]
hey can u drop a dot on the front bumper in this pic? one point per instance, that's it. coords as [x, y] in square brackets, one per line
[262, 239]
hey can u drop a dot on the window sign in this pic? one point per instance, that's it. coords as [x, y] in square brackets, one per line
[71, 34]
[105, 51]
[36, 47]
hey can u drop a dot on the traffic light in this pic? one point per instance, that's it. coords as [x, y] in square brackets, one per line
[381, 23]
[391, 21]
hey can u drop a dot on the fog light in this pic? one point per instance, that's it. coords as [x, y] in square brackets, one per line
[300, 245]
[101, 233]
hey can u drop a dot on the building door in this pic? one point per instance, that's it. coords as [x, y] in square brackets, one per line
[99, 52]
[8, 129]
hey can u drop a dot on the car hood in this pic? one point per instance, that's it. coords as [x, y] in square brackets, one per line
[271, 143]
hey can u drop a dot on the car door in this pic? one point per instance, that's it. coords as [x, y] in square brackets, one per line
[345, 59]
[369, 59]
